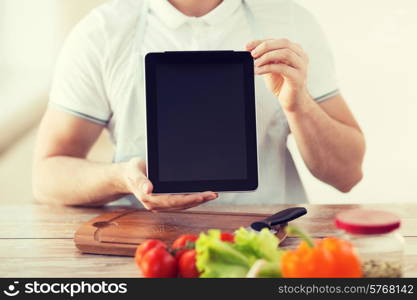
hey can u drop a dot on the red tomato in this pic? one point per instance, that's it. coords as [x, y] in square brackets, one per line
[145, 247]
[227, 237]
[158, 263]
[186, 265]
[180, 244]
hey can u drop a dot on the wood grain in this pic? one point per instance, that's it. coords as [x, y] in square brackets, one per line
[120, 233]
[59, 258]
[36, 241]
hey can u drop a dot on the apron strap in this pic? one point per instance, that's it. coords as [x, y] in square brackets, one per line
[139, 40]
[253, 24]
[142, 24]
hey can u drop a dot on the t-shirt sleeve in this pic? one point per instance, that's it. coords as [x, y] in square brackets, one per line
[78, 86]
[322, 81]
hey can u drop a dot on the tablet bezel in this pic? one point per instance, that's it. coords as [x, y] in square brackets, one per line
[200, 57]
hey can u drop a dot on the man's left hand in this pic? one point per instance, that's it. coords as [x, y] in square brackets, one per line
[284, 65]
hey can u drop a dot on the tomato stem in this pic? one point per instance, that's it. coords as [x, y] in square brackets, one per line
[188, 246]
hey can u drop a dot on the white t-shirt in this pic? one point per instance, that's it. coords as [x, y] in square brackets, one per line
[98, 78]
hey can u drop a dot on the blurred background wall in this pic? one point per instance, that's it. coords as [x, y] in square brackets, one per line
[31, 34]
[374, 44]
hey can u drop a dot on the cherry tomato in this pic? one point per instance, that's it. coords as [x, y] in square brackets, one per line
[158, 263]
[186, 265]
[145, 247]
[180, 244]
[227, 237]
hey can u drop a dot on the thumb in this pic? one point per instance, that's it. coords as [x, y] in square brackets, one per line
[146, 186]
[136, 175]
[252, 45]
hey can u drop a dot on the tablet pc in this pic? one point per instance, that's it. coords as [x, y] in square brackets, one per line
[201, 121]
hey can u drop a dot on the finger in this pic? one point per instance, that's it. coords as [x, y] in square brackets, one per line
[282, 69]
[198, 198]
[137, 176]
[144, 191]
[177, 202]
[147, 187]
[252, 45]
[269, 45]
[300, 51]
[142, 184]
[185, 207]
[189, 206]
[211, 197]
[171, 204]
[297, 47]
[285, 56]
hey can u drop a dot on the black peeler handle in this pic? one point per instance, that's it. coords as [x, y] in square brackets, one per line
[280, 218]
[285, 216]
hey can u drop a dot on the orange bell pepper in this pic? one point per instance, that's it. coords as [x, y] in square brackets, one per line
[325, 258]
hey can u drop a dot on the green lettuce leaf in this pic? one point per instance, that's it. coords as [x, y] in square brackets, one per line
[258, 245]
[218, 259]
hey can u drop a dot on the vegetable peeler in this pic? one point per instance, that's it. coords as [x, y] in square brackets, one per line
[277, 222]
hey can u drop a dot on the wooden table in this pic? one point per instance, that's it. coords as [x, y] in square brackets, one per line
[36, 241]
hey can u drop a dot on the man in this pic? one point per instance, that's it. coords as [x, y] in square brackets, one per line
[99, 85]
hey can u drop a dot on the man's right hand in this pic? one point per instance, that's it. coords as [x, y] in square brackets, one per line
[137, 183]
[62, 146]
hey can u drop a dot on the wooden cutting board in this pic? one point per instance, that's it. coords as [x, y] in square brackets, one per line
[120, 233]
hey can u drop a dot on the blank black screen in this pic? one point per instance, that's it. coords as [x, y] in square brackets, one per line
[201, 122]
